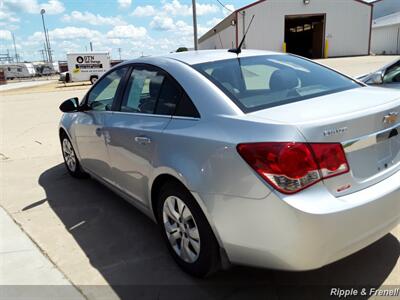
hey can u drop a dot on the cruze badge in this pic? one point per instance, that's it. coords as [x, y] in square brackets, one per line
[334, 131]
[391, 118]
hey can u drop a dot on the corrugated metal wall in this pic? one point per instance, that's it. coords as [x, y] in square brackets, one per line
[386, 40]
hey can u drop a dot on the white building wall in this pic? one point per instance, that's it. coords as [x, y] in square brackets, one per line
[224, 39]
[386, 40]
[347, 25]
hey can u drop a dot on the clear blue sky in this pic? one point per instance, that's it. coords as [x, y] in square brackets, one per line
[136, 26]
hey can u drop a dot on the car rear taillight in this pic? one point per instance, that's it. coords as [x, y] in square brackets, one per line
[290, 167]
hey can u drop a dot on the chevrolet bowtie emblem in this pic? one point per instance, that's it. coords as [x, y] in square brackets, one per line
[391, 118]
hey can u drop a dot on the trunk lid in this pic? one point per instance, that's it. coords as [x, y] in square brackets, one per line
[366, 121]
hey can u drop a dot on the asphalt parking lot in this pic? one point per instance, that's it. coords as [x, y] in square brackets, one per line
[109, 249]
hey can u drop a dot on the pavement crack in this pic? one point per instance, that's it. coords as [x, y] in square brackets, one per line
[3, 157]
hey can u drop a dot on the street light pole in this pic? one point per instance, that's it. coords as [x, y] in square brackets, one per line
[15, 48]
[196, 46]
[42, 12]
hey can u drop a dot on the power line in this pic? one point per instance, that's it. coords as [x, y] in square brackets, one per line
[224, 6]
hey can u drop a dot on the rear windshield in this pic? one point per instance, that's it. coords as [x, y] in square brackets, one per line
[259, 82]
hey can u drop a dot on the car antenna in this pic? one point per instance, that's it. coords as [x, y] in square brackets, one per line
[238, 50]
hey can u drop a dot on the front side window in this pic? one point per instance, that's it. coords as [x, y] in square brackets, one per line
[259, 82]
[103, 93]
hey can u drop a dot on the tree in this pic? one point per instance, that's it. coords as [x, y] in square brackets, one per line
[182, 49]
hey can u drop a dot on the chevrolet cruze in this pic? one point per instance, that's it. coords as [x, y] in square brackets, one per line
[260, 158]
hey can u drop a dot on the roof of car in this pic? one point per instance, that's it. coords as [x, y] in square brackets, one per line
[204, 56]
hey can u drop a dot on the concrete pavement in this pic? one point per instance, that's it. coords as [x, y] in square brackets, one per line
[24, 84]
[357, 66]
[22, 264]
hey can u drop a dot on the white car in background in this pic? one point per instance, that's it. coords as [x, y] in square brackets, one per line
[388, 76]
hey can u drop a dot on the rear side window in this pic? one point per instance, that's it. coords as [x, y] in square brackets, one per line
[152, 91]
[186, 108]
[170, 95]
[142, 91]
[259, 82]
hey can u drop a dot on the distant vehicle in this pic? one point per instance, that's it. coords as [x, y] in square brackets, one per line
[388, 76]
[45, 68]
[88, 66]
[63, 77]
[18, 70]
[256, 158]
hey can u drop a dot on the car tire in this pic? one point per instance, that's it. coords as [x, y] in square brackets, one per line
[93, 79]
[70, 159]
[207, 259]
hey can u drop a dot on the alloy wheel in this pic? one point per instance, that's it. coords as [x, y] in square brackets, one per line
[69, 155]
[181, 229]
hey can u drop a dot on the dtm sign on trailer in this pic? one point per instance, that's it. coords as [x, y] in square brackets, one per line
[87, 66]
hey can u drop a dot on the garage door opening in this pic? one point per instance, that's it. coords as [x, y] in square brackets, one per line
[304, 35]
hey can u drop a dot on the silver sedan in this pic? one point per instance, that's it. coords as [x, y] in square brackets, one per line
[261, 158]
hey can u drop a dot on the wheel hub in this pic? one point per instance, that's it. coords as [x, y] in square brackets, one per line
[181, 229]
[69, 155]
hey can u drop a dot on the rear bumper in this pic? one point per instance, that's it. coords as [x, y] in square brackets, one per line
[303, 231]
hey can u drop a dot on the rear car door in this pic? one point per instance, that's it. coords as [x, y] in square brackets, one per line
[89, 125]
[148, 102]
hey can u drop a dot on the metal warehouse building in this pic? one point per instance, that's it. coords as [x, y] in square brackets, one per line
[311, 28]
[386, 34]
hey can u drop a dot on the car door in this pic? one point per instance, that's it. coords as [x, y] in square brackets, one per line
[146, 108]
[89, 124]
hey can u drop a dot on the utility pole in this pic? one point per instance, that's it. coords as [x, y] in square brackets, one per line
[50, 51]
[42, 12]
[195, 25]
[91, 47]
[15, 48]
[10, 59]
[119, 51]
[42, 51]
[46, 57]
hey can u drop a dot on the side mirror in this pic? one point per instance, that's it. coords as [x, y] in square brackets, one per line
[70, 105]
[377, 78]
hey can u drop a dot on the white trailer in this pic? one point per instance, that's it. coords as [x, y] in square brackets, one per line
[87, 66]
[18, 70]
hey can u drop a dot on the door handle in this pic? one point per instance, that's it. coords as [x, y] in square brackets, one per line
[143, 140]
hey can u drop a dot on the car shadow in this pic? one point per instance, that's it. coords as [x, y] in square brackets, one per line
[126, 248]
